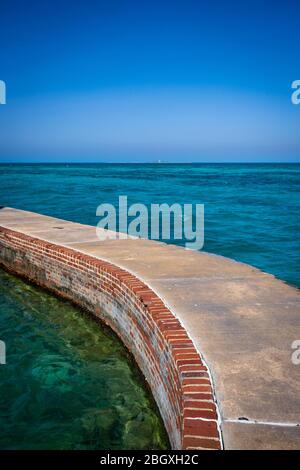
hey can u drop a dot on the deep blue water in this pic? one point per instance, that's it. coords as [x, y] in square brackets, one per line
[251, 210]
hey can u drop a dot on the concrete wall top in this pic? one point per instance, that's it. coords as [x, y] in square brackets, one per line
[242, 321]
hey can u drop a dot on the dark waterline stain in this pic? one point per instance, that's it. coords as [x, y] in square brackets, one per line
[69, 383]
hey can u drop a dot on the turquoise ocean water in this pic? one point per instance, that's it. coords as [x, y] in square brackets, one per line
[68, 383]
[251, 210]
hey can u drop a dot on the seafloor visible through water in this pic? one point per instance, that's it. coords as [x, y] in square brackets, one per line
[68, 382]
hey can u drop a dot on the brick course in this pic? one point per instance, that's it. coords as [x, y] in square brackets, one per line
[179, 380]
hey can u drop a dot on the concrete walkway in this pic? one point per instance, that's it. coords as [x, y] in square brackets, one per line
[242, 320]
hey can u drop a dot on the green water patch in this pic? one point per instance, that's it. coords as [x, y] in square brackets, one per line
[68, 382]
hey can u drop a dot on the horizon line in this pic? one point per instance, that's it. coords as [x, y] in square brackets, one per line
[149, 163]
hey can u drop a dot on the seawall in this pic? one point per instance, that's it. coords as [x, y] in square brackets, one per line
[157, 298]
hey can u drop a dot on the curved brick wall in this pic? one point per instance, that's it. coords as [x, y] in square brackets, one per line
[179, 380]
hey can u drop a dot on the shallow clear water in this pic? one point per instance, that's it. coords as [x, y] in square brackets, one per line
[68, 383]
[251, 210]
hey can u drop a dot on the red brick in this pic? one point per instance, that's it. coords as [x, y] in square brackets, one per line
[197, 396]
[198, 443]
[197, 389]
[199, 413]
[191, 381]
[151, 331]
[197, 427]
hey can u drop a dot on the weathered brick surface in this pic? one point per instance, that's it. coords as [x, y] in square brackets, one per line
[178, 378]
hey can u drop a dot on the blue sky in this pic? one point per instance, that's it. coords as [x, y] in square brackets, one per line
[139, 81]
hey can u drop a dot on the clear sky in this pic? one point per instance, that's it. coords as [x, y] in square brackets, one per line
[122, 80]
